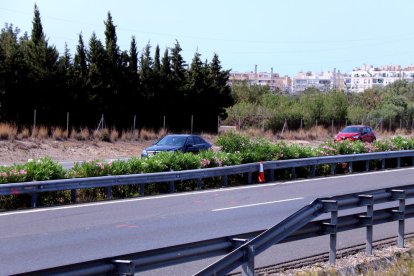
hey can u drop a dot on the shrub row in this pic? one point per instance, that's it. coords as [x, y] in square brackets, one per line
[236, 149]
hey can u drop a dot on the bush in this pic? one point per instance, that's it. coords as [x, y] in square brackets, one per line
[44, 169]
[232, 142]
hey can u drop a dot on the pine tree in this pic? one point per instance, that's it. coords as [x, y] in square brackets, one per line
[80, 59]
[157, 64]
[177, 64]
[37, 29]
[111, 46]
[133, 56]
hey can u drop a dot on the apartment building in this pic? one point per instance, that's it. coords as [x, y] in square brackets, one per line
[368, 76]
[273, 80]
[324, 81]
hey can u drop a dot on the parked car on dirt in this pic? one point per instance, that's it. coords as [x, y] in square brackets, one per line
[177, 142]
[356, 132]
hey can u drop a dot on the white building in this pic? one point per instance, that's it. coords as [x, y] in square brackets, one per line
[273, 80]
[323, 81]
[367, 77]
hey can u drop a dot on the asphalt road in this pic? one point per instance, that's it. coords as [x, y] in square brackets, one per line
[40, 238]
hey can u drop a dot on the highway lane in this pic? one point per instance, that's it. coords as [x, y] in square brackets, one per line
[41, 238]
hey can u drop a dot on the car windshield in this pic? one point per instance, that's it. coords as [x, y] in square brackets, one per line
[351, 130]
[172, 141]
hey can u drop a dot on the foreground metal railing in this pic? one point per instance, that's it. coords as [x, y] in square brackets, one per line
[241, 249]
[108, 182]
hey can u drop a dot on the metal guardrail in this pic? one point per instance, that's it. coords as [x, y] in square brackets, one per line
[242, 248]
[108, 182]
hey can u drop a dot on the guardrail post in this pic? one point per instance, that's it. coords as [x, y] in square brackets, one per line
[225, 180]
[248, 262]
[272, 175]
[312, 170]
[199, 184]
[109, 192]
[172, 187]
[400, 196]
[293, 173]
[332, 206]
[383, 164]
[412, 161]
[333, 166]
[73, 196]
[368, 200]
[142, 189]
[124, 267]
[249, 178]
[350, 167]
[33, 200]
[367, 166]
[398, 162]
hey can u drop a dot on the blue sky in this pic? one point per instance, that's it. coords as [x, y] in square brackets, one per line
[289, 36]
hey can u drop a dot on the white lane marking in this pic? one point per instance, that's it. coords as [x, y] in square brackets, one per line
[258, 186]
[257, 204]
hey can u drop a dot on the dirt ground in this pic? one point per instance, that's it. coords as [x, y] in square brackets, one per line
[19, 151]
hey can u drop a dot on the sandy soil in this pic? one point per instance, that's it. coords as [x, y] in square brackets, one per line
[20, 151]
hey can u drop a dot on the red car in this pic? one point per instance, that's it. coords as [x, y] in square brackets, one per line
[358, 132]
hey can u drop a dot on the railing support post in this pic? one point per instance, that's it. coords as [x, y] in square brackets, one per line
[293, 173]
[33, 200]
[398, 162]
[368, 200]
[124, 267]
[367, 166]
[332, 206]
[400, 196]
[248, 264]
[199, 184]
[225, 180]
[109, 192]
[383, 164]
[142, 189]
[312, 170]
[172, 187]
[73, 196]
[249, 178]
[272, 175]
[350, 167]
[333, 166]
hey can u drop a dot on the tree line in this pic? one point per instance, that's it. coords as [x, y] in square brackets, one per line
[390, 107]
[101, 79]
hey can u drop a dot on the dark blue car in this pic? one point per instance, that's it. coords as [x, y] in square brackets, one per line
[177, 142]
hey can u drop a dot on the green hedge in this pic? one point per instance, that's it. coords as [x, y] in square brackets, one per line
[235, 149]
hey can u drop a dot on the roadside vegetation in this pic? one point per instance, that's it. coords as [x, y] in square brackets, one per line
[235, 149]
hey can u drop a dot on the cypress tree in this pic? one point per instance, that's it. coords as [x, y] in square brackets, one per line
[80, 59]
[133, 56]
[37, 29]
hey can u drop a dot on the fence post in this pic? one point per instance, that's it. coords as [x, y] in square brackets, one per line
[133, 128]
[67, 124]
[163, 124]
[248, 261]
[218, 124]
[34, 121]
[332, 127]
[400, 196]
[192, 121]
[368, 200]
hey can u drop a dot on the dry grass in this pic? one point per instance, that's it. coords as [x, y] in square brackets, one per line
[40, 133]
[114, 136]
[148, 134]
[23, 134]
[59, 134]
[7, 131]
[314, 133]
